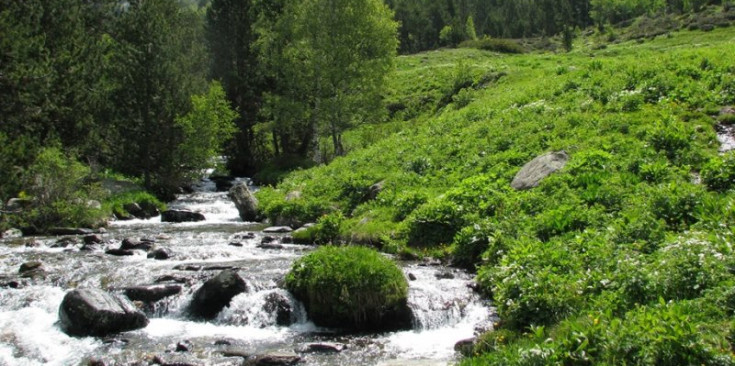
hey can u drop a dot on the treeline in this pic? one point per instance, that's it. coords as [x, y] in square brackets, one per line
[428, 24]
[155, 89]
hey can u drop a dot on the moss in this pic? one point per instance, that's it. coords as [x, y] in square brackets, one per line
[354, 288]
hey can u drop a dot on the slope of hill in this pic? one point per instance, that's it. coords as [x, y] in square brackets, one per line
[623, 256]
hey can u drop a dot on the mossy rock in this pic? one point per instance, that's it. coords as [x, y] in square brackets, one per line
[352, 288]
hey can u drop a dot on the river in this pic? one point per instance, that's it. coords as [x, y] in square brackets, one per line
[445, 310]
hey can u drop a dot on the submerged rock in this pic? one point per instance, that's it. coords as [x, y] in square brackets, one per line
[151, 293]
[119, 252]
[245, 201]
[215, 294]
[160, 254]
[281, 305]
[70, 231]
[176, 216]
[93, 312]
[539, 168]
[322, 348]
[273, 359]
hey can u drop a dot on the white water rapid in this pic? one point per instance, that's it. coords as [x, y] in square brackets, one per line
[445, 310]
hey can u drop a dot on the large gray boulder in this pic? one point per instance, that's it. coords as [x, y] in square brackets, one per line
[151, 293]
[245, 201]
[539, 168]
[215, 294]
[93, 312]
[177, 216]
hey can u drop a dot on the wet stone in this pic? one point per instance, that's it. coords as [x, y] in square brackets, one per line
[274, 359]
[151, 293]
[277, 229]
[272, 246]
[412, 277]
[235, 244]
[171, 278]
[160, 254]
[64, 242]
[170, 359]
[322, 348]
[92, 239]
[184, 346]
[446, 275]
[119, 252]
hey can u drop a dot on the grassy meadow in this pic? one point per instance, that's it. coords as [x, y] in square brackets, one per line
[623, 257]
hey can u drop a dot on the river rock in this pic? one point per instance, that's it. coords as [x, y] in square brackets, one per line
[134, 210]
[32, 270]
[64, 242]
[160, 254]
[245, 201]
[282, 306]
[539, 168]
[70, 231]
[373, 191]
[215, 294]
[172, 359]
[322, 348]
[272, 246]
[119, 252]
[11, 233]
[93, 312]
[132, 244]
[177, 216]
[444, 275]
[92, 239]
[151, 293]
[277, 229]
[273, 359]
[465, 346]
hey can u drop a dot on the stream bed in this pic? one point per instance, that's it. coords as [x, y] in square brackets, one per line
[445, 308]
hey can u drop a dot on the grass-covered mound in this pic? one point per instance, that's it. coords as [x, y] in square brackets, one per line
[352, 288]
[624, 256]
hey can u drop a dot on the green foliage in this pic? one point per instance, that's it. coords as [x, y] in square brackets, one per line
[719, 173]
[328, 228]
[206, 128]
[494, 45]
[434, 223]
[348, 287]
[115, 203]
[677, 204]
[60, 191]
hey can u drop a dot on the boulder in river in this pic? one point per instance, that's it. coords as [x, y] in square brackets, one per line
[282, 306]
[120, 252]
[277, 229]
[160, 254]
[539, 168]
[11, 233]
[93, 312]
[151, 293]
[177, 216]
[325, 347]
[245, 201]
[70, 231]
[215, 294]
[273, 359]
[132, 244]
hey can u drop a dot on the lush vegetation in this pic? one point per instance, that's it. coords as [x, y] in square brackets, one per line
[623, 256]
[354, 288]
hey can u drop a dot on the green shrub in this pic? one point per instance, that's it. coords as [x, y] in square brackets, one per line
[677, 204]
[484, 241]
[61, 190]
[719, 173]
[494, 45]
[351, 287]
[687, 267]
[672, 138]
[533, 283]
[434, 223]
[327, 229]
[406, 202]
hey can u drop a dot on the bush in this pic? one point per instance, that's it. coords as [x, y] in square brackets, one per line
[472, 243]
[494, 45]
[327, 229]
[677, 204]
[351, 287]
[434, 223]
[61, 190]
[533, 283]
[719, 173]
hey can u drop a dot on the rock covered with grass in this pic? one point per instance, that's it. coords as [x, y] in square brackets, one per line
[353, 288]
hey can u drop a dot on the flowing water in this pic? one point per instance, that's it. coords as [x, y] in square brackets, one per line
[445, 310]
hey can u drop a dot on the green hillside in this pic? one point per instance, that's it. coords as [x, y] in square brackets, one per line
[622, 257]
